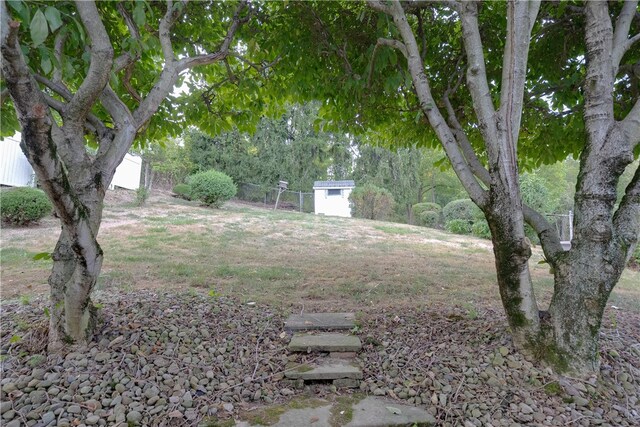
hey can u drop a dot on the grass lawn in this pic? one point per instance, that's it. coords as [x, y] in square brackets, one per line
[286, 259]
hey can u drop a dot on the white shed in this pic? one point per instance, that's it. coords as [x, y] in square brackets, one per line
[128, 173]
[332, 197]
[15, 170]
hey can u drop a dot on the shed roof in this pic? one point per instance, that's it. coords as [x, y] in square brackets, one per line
[333, 184]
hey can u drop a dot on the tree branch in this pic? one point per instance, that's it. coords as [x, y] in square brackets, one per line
[626, 221]
[429, 108]
[546, 232]
[223, 51]
[126, 61]
[477, 77]
[99, 68]
[598, 98]
[631, 124]
[164, 32]
[57, 87]
[61, 39]
[621, 42]
[380, 6]
[394, 44]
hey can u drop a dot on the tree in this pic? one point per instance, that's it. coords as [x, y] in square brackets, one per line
[585, 275]
[82, 95]
[285, 148]
[410, 173]
[401, 71]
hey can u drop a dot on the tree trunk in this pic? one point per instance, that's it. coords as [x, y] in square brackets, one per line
[512, 252]
[77, 260]
[570, 340]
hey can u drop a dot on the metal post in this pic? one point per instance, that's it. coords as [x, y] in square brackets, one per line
[570, 225]
[301, 200]
[277, 199]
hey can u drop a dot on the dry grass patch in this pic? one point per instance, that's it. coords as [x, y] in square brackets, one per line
[287, 259]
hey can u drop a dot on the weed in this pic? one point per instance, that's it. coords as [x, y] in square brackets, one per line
[36, 360]
[553, 389]
[390, 229]
[157, 229]
[25, 300]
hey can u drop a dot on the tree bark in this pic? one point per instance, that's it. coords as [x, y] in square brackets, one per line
[512, 252]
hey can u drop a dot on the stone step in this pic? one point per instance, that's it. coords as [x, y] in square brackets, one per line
[325, 369]
[319, 321]
[325, 342]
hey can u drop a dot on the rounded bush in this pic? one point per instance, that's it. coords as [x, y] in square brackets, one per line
[212, 188]
[23, 205]
[459, 226]
[183, 191]
[419, 208]
[481, 229]
[428, 219]
[463, 209]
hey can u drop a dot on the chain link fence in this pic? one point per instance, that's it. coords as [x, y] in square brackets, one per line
[266, 195]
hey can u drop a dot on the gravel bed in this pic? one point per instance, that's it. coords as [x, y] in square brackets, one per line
[172, 359]
[159, 359]
[467, 373]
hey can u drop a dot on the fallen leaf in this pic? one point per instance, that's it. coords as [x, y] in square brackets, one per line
[394, 411]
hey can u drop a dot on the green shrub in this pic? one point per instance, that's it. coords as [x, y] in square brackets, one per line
[23, 205]
[142, 194]
[428, 219]
[371, 202]
[419, 208]
[463, 209]
[183, 191]
[212, 188]
[480, 228]
[459, 226]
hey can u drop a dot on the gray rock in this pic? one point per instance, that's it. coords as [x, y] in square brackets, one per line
[525, 409]
[134, 417]
[5, 406]
[102, 356]
[376, 412]
[48, 417]
[92, 420]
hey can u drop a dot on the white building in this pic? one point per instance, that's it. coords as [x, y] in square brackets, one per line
[127, 173]
[332, 197]
[15, 170]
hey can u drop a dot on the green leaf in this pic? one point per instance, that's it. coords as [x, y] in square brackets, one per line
[38, 28]
[21, 9]
[46, 312]
[14, 339]
[53, 16]
[42, 256]
[138, 14]
[46, 65]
